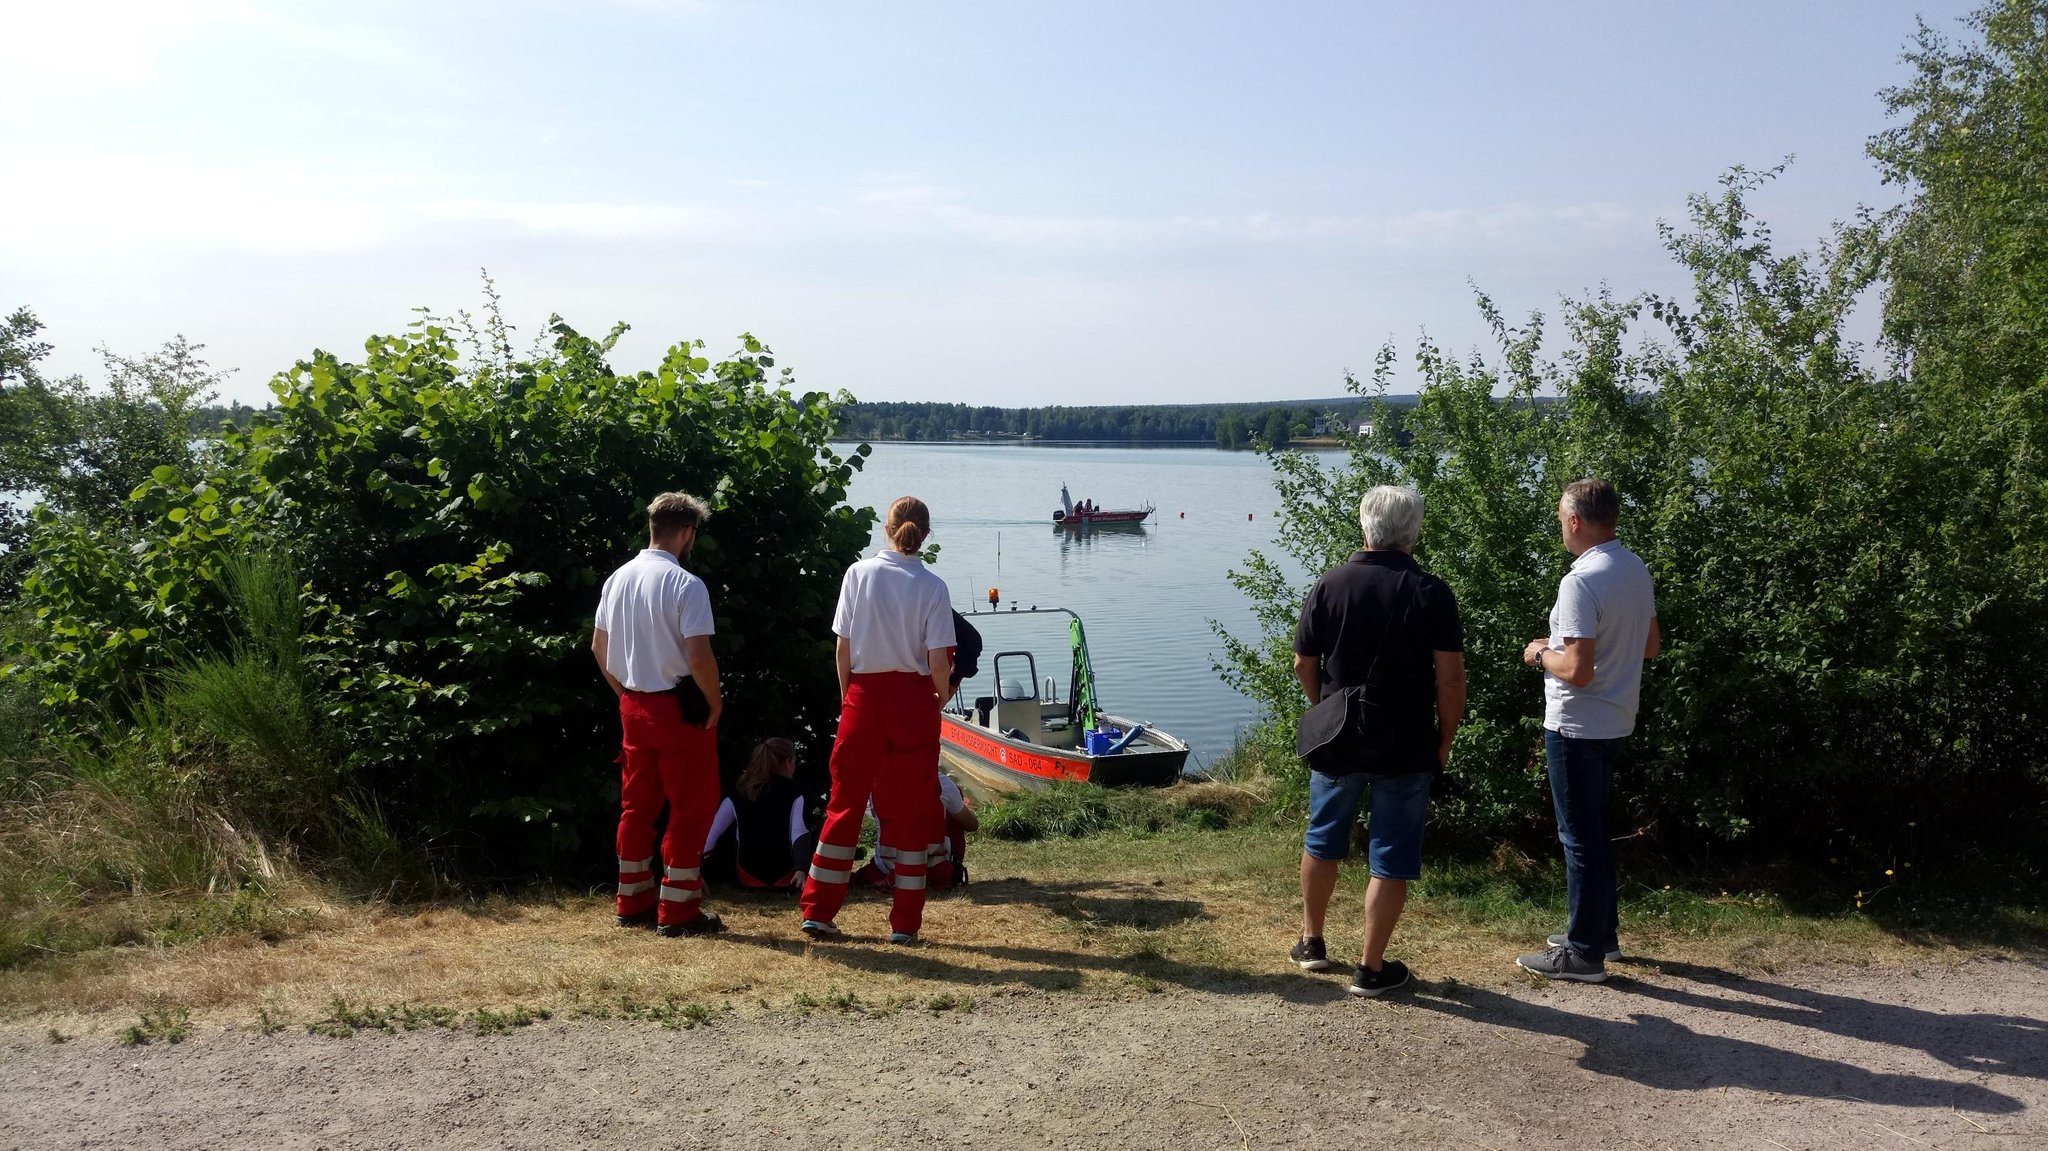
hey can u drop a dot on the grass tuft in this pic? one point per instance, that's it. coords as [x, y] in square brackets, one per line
[165, 1024]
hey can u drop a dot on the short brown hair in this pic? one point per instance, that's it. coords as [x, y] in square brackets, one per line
[1593, 500]
[671, 512]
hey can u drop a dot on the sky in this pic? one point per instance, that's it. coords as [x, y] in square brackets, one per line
[1011, 204]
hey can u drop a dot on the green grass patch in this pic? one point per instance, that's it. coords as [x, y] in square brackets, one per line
[671, 1012]
[1074, 810]
[345, 1019]
[163, 1025]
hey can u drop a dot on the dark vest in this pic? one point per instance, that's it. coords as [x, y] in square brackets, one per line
[761, 829]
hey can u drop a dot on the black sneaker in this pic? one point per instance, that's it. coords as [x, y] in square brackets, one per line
[642, 919]
[1372, 984]
[1561, 940]
[1309, 953]
[706, 923]
[1564, 963]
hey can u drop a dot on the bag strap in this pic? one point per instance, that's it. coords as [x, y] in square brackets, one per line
[1387, 629]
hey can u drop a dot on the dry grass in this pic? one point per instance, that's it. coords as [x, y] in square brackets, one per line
[1111, 915]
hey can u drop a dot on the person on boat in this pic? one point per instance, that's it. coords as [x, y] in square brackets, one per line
[946, 855]
[1380, 625]
[894, 624]
[764, 816]
[652, 640]
[966, 654]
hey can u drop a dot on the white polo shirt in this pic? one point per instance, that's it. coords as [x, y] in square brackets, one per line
[647, 609]
[1606, 597]
[893, 610]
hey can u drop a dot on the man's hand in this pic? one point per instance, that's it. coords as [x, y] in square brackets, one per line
[1450, 701]
[1533, 653]
[600, 646]
[1308, 671]
[704, 670]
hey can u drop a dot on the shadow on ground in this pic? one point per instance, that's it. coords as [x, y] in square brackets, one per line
[1090, 904]
[1650, 1049]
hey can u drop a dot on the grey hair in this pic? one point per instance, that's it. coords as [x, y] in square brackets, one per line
[1391, 518]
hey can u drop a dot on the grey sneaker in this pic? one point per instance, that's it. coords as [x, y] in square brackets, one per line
[1370, 984]
[1564, 963]
[1309, 954]
[906, 938]
[1560, 940]
[822, 929]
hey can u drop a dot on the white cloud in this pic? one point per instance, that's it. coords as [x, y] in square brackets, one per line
[597, 220]
[141, 204]
[910, 206]
[105, 41]
[117, 43]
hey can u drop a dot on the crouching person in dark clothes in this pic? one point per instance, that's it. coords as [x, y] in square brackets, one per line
[771, 843]
[1383, 628]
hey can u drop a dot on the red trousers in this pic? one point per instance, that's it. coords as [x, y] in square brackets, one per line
[943, 858]
[887, 749]
[664, 759]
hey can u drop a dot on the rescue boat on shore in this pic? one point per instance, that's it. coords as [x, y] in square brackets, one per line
[1088, 515]
[1027, 735]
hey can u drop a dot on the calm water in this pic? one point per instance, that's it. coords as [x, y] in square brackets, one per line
[1145, 593]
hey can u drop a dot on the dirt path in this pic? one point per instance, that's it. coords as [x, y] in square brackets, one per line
[1670, 1056]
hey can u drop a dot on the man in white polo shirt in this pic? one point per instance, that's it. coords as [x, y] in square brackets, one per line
[1602, 628]
[652, 639]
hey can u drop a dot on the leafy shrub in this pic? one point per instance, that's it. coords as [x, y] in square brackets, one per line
[452, 521]
[1835, 653]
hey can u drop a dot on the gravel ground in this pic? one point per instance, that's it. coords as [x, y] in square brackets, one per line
[1667, 1055]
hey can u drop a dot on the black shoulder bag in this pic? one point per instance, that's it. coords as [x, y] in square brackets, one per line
[1349, 726]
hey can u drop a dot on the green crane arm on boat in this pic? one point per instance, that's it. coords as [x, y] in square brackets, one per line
[1083, 693]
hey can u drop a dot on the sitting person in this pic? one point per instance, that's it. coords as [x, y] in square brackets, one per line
[765, 814]
[946, 858]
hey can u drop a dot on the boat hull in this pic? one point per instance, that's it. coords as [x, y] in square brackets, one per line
[999, 764]
[1096, 519]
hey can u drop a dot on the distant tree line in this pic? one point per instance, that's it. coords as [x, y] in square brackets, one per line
[1229, 425]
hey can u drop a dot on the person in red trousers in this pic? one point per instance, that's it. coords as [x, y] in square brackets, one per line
[652, 639]
[895, 629]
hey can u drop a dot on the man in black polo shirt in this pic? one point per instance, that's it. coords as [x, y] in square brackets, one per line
[1380, 622]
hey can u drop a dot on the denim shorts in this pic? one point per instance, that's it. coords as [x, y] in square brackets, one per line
[1399, 805]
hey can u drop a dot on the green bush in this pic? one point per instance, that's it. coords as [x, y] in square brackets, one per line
[452, 520]
[1851, 551]
[1835, 651]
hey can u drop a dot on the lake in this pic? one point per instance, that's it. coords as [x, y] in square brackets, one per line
[1145, 592]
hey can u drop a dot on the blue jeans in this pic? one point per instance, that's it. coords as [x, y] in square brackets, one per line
[1400, 804]
[1581, 774]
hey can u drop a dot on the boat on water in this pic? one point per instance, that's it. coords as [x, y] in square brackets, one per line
[1027, 736]
[1086, 514]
